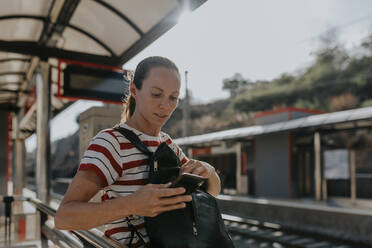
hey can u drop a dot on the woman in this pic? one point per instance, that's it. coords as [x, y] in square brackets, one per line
[111, 162]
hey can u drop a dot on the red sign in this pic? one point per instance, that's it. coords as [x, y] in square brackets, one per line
[201, 151]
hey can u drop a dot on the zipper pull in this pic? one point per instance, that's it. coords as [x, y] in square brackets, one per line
[155, 166]
[194, 229]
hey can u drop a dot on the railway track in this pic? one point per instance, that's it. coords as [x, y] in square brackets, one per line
[252, 233]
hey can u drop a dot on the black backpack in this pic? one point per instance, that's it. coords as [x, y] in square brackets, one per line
[199, 225]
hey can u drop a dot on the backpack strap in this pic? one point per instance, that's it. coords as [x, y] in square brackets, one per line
[133, 138]
[133, 230]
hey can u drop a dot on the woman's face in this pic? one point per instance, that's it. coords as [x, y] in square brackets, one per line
[158, 97]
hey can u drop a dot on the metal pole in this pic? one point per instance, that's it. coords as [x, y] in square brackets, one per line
[352, 177]
[185, 109]
[239, 167]
[318, 173]
[42, 131]
[325, 193]
[19, 161]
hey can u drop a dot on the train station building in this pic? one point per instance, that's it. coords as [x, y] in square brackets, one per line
[292, 153]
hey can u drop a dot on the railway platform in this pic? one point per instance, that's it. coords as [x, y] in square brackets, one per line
[337, 222]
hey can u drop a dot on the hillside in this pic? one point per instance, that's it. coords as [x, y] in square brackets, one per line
[337, 80]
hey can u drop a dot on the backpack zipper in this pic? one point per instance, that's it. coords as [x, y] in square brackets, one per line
[194, 229]
[195, 221]
[155, 166]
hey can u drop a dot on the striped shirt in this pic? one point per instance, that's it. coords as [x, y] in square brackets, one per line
[123, 169]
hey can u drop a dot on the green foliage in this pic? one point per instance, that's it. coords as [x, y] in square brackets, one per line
[323, 85]
[236, 84]
[367, 103]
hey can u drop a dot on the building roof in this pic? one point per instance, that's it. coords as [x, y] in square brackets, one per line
[354, 117]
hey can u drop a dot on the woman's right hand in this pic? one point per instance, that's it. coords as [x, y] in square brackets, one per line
[153, 199]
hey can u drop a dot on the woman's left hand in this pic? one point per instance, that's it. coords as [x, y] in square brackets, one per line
[198, 168]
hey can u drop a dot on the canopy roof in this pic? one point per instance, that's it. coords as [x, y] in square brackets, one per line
[361, 117]
[106, 32]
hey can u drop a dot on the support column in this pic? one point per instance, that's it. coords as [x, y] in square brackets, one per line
[352, 177]
[188, 153]
[239, 167]
[19, 157]
[42, 131]
[318, 172]
[186, 110]
[4, 156]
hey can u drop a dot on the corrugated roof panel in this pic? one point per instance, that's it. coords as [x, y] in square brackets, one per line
[76, 41]
[6, 97]
[12, 86]
[20, 29]
[24, 7]
[5, 94]
[313, 120]
[104, 25]
[5, 55]
[151, 12]
[336, 117]
[10, 78]
[361, 113]
[273, 127]
[13, 66]
[293, 124]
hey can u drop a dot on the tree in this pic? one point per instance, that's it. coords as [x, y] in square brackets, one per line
[236, 84]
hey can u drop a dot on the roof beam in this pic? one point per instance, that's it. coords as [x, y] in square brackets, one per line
[14, 91]
[14, 59]
[35, 17]
[28, 116]
[60, 17]
[9, 107]
[17, 73]
[7, 83]
[34, 49]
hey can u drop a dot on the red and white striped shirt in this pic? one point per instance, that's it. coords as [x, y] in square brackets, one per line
[123, 169]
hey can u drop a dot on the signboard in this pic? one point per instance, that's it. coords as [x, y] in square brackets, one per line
[336, 164]
[201, 151]
[78, 80]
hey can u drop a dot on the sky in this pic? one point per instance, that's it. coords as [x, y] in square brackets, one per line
[259, 39]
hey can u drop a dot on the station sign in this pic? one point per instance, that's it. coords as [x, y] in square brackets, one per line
[80, 80]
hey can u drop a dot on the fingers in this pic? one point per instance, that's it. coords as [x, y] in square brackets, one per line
[188, 167]
[166, 185]
[171, 207]
[200, 170]
[196, 167]
[169, 203]
[176, 200]
[169, 192]
[166, 208]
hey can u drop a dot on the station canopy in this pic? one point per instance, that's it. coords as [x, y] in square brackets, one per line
[342, 120]
[108, 32]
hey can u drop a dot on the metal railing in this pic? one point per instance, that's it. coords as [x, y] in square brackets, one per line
[92, 238]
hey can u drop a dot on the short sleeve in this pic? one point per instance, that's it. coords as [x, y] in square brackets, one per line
[181, 155]
[103, 157]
